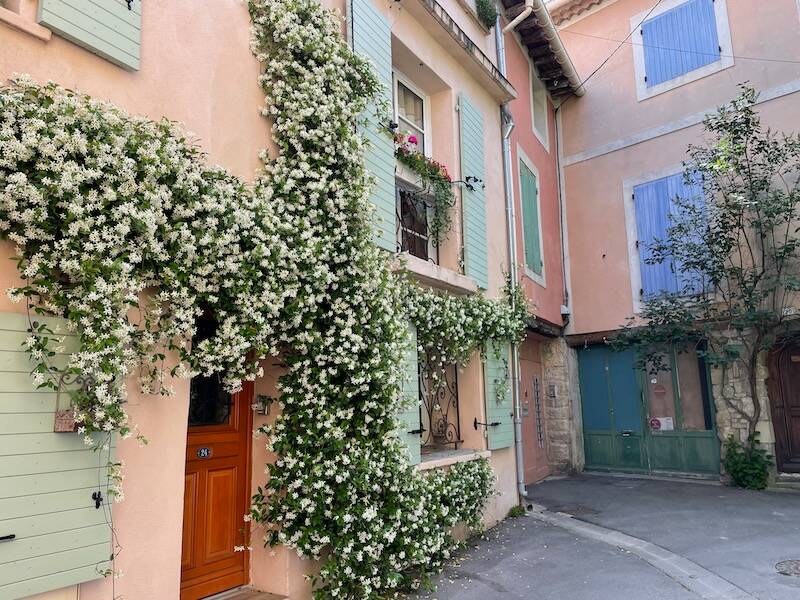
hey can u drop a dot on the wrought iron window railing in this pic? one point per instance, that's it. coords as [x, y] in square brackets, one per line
[413, 234]
[439, 410]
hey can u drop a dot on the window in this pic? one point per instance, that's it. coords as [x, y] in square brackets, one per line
[678, 399]
[411, 113]
[531, 220]
[654, 202]
[539, 108]
[440, 419]
[680, 42]
[412, 220]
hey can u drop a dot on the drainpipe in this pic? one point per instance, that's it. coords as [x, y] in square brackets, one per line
[507, 123]
[527, 10]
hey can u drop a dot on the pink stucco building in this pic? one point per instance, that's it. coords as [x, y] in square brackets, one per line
[196, 67]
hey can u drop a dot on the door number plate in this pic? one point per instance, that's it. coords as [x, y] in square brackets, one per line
[204, 452]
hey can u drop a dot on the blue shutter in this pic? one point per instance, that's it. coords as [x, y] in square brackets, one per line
[497, 390]
[371, 36]
[679, 41]
[106, 27]
[654, 203]
[408, 417]
[474, 201]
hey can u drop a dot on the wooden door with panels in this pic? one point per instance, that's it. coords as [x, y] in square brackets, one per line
[217, 489]
[784, 392]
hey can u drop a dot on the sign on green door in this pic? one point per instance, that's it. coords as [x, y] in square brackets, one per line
[643, 422]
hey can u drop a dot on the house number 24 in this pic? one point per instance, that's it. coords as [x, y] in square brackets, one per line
[204, 452]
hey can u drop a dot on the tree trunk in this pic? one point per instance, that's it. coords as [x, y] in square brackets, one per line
[752, 377]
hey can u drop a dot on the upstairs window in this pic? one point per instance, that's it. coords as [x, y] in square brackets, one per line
[539, 108]
[681, 42]
[654, 202]
[413, 210]
[410, 114]
[531, 221]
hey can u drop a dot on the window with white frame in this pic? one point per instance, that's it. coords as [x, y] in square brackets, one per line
[531, 220]
[681, 41]
[411, 114]
[539, 108]
[655, 204]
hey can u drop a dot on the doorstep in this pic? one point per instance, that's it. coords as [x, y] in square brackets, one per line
[245, 594]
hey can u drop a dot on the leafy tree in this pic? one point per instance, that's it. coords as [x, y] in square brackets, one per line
[735, 254]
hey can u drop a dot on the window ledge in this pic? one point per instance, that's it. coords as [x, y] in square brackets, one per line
[407, 176]
[12, 19]
[445, 458]
[435, 275]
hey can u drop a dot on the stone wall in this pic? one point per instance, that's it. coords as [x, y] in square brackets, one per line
[562, 406]
[733, 387]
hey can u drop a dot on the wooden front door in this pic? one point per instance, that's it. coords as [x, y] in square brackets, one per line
[785, 400]
[216, 489]
[532, 403]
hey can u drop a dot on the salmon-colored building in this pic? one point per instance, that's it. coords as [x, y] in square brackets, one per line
[447, 78]
[651, 72]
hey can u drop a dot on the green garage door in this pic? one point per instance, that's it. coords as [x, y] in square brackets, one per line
[643, 422]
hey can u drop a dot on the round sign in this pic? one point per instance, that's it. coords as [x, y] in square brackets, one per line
[204, 452]
[655, 423]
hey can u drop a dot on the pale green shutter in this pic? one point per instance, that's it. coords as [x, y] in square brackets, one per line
[530, 219]
[408, 418]
[46, 483]
[474, 202]
[497, 387]
[371, 36]
[106, 27]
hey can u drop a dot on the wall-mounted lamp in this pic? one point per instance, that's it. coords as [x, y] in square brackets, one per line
[262, 404]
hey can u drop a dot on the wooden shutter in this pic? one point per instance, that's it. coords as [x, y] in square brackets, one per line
[106, 27]
[497, 389]
[371, 37]
[654, 202]
[408, 418]
[46, 482]
[679, 41]
[473, 202]
[531, 232]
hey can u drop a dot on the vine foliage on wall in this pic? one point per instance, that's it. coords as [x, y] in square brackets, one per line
[123, 230]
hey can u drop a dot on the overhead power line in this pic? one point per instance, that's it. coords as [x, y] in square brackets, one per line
[610, 56]
[682, 50]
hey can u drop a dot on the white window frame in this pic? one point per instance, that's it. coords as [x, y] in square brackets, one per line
[723, 33]
[542, 136]
[521, 156]
[398, 77]
[634, 264]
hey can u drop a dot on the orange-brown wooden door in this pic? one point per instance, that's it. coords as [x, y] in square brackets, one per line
[533, 424]
[216, 489]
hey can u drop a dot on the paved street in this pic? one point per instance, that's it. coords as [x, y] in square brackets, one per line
[684, 541]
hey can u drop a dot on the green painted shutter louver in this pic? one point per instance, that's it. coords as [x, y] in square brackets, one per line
[497, 389]
[371, 37]
[473, 202]
[530, 219]
[105, 27]
[46, 483]
[408, 418]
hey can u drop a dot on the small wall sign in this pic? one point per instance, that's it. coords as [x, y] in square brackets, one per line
[662, 424]
[204, 452]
